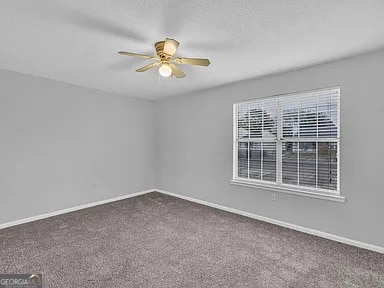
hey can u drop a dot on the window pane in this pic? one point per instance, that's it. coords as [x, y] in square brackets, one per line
[328, 116]
[269, 118]
[307, 164]
[290, 117]
[242, 121]
[327, 165]
[255, 161]
[308, 118]
[289, 162]
[242, 158]
[262, 119]
[312, 115]
[256, 121]
[269, 161]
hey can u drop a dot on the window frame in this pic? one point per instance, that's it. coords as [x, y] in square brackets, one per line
[278, 186]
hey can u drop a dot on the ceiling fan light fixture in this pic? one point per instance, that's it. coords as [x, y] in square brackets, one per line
[165, 60]
[165, 70]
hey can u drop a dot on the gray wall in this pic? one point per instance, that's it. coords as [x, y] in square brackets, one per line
[57, 139]
[194, 145]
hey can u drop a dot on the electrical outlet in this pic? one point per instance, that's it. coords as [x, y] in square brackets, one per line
[274, 198]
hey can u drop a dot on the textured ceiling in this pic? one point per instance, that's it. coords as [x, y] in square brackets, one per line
[77, 41]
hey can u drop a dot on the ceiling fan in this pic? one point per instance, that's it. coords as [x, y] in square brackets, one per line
[165, 51]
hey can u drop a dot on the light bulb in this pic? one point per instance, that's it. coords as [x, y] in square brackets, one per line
[165, 70]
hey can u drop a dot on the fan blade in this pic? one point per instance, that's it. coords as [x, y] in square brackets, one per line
[193, 61]
[147, 67]
[176, 71]
[137, 55]
[170, 46]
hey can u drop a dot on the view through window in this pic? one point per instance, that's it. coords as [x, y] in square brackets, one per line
[289, 141]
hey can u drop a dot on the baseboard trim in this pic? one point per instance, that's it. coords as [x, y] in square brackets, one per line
[67, 210]
[280, 223]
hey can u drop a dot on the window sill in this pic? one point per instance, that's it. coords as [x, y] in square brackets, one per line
[289, 190]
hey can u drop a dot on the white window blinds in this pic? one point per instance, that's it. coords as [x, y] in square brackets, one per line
[289, 140]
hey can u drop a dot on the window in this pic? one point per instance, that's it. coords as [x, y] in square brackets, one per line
[289, 142]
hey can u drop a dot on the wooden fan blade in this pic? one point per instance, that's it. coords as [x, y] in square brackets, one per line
[176, 71]
[137, 55]
[193, 61]
[147, 67]
[170, 46]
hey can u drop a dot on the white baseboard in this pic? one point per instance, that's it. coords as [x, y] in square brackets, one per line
[63, 211]
[280, 223]
[221, 207]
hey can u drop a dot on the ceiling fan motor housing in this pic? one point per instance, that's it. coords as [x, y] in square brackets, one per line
[159, 46]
